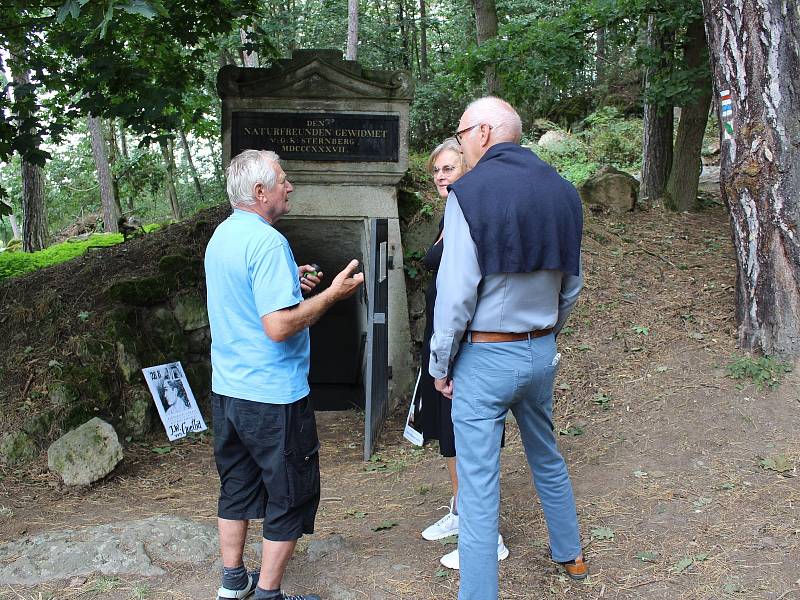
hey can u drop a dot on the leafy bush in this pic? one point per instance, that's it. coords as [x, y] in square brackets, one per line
[570, 158]
[762, 370]
[614, 140]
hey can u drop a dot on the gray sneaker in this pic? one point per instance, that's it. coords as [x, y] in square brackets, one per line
[300, 597]
[224, 593]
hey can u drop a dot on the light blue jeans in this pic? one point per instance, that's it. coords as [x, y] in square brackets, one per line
[489, 379]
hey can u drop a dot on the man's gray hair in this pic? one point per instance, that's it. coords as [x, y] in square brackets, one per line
[246, 170]
[505, 121]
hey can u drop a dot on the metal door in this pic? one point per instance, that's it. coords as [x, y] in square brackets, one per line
[376, 382]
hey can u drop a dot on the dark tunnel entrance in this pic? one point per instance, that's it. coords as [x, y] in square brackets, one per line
[338, 340]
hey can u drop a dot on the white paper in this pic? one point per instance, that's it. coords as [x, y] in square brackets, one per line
[413, 431]
[174, 400]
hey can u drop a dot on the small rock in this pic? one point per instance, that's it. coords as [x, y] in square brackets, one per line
[610, 190]
[76, 582]
[16, 448]
[320, 548]
[85, 454]
[127, 362]
[551, 138]
[6, 513]
[190, 312]
[61, 394]
[139, 413]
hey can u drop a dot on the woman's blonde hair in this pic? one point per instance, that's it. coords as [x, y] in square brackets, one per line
[449, 144]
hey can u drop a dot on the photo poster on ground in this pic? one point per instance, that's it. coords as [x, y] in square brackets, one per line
[413, 430]
[174, 400]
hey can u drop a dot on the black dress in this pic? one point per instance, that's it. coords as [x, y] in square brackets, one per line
[435, 418]
[437, 423]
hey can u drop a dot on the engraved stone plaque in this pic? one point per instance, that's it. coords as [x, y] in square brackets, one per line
[317, 136]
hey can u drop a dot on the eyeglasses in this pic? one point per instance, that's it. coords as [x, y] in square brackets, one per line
[458, 134]
[447, 170]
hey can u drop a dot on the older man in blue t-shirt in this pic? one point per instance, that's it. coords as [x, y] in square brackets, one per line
[265, 435]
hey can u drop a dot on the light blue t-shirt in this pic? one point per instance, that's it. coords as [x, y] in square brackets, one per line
[251, 272]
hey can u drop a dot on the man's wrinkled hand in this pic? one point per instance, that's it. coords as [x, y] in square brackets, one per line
[309, 281]
[345, 283]
[444, 386]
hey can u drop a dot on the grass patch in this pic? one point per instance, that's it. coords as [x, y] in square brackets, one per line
[14, 264]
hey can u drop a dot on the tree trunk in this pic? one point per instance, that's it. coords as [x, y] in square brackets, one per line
[658, 128]
[404, 34]
[754, 50]
[681, 190]
[600, 64]
[352, 30]
[169, 166]
[123, 142]
[12, 218]
[249, 59]
[195, 177]
[423, 41]
[111, 142]
[34, 210]
[110, 213]
[486, 25]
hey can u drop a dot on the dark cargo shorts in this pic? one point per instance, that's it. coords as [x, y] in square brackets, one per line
[267, 458]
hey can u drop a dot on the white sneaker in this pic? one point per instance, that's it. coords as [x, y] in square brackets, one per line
[444, 527]
[450, 560]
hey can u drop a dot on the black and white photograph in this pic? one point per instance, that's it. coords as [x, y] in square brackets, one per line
[174, 400]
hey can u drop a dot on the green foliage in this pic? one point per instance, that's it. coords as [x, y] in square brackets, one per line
[761, 370]
[607, 138]
[13, 264]
[18, 263]
[613, 139]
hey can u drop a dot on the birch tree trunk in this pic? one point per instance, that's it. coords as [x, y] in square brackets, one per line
[352, 30]
[755, 50]
[110, 213]
[681, 190]
[486, 25]
[195, 177]
[249, 59]
[657, 138]
[12, 218]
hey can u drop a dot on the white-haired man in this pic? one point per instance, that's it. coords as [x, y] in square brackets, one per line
[265, 436]
[509, 276]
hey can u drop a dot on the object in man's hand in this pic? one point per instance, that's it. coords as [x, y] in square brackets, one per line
[312, 273]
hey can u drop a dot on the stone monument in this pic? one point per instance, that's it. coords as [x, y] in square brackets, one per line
[341, 132]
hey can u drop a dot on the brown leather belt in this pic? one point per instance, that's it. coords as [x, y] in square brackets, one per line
[500, 336]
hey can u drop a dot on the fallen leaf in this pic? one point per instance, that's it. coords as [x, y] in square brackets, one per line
[779, 464]
[646, 556]
[387, 524]
[682, 565]
[603, 533]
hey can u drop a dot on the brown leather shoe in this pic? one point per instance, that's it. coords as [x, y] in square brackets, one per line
[576, 569]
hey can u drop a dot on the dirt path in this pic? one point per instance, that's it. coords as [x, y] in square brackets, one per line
[664, 450]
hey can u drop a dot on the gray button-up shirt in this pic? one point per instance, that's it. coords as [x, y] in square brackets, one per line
[507, 302]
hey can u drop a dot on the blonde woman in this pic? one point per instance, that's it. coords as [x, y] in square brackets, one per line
[446, 164]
